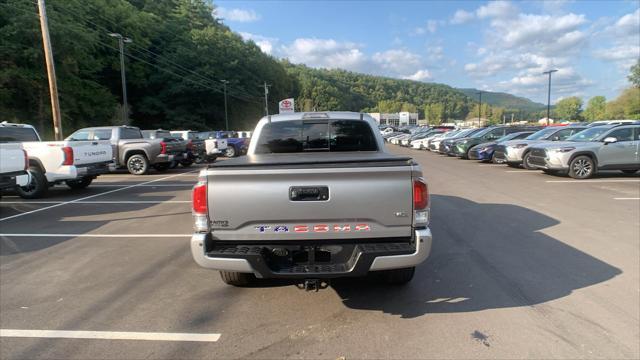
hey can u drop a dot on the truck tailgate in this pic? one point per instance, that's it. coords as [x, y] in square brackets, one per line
[311, 196]
[88, 152]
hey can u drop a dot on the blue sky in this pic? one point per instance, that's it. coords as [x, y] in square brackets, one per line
[491, 45]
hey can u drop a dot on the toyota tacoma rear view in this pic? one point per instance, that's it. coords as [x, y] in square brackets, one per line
[317, 197]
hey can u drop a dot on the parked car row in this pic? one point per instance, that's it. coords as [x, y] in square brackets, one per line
[577, 150]
[31, 166]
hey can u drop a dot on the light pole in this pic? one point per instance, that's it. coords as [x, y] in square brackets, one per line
[479, 107]
[226, 118]
[549, 94]
[121, 41]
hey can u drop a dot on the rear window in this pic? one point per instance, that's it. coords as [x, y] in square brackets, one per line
[17, 134]
[302, 136]
[130, 133]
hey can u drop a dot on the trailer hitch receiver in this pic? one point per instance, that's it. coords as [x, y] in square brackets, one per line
[313, 285]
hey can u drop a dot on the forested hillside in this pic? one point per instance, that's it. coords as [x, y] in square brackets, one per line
[339, 89]
[175, 65]
[504, 100]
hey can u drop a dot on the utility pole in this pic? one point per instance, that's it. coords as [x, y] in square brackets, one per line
[549, 93]
[266, 98]
[504, 119]
[51, 71]
[226, 118]
[121, 41]
[512, 118]
[479, 107]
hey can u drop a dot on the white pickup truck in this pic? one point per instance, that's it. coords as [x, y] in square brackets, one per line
[75, 163]
[13, 166]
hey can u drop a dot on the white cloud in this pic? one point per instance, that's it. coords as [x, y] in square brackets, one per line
[461, 17]
[238, 15]
[623, 36]
[266, 44]
[325, 53]
[398, 62]
[420, 75]
[496, 9]
[431, 27]
[435, 53]
[566, 82]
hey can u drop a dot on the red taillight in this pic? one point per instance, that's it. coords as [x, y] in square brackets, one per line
[200, 199]
[190, 145]
[26, 160]
[420, 195]
[68, 155]
[163, 147]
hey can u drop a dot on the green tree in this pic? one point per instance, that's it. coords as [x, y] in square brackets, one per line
[596, 109]
[625, 106]
[634, 74]
[569, 108]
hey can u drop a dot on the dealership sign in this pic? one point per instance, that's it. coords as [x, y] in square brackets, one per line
[286, 106]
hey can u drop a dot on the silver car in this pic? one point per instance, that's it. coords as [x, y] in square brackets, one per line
[514, 152]
[608, 147]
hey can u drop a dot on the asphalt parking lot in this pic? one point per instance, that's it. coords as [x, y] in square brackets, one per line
[524, 265]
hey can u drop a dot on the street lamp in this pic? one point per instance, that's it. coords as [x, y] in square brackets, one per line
[226, 119]
[479, 107]
[549, 93]
[121, 41]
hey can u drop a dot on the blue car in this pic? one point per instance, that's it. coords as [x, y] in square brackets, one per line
[484, 151]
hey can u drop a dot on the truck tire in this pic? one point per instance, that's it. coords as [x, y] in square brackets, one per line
[80, 183]
[37, 187]
[236, 278]
[399, 276]
[231, 151]
[138, 164]
[162, 167]
[525, 162]
[582, 167]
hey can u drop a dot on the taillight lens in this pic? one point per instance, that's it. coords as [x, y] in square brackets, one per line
[26, 160]
[200, 199]
[68, 155]
[163, 147]
[190, 145]
[420, 194]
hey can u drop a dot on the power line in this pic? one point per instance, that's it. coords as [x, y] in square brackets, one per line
[238, 94]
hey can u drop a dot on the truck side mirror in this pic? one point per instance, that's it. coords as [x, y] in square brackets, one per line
[610, 140]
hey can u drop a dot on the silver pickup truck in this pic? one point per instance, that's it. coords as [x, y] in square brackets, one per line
[317, 197]
[130, 149]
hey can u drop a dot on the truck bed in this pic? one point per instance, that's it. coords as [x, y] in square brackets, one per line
[314, 160]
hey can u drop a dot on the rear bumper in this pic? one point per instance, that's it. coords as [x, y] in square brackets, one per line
[365, 257]
[11, 180]
[75, 172]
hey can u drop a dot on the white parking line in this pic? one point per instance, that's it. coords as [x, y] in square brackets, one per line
[593, 181]
[522, 171]
[109, 335]
[101, 235]
[87, 197]
[99, 202]
[502, 165]
[638, 198]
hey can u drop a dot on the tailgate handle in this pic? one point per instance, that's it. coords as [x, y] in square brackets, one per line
[309, 193]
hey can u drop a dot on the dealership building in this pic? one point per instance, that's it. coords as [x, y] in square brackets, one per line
[396, 119]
